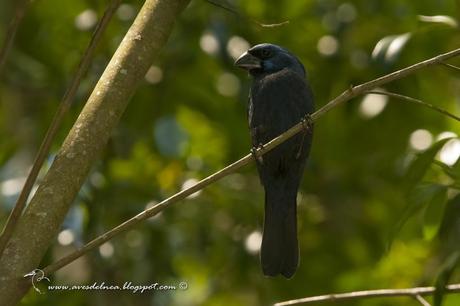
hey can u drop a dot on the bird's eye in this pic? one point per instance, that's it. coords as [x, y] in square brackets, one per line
[266, 53]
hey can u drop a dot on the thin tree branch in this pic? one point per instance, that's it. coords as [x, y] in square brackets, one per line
[228, 8]
[62, 110]
[422, 301]
[451, 66]
[11, 31]
[359, 295]
[347, 95]
[416, 101]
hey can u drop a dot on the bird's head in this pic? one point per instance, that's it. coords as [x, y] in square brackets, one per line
[265, 59]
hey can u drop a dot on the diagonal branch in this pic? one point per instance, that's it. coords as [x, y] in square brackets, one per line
[11, 31]
[359, 295]
[422, 300]
[413, 100]
[347, 95]
[55, 125]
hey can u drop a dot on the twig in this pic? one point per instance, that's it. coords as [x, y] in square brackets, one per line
[11, 32]
[235, 12]
[352, 92]
[55, 125]
[422, 301]
[413, 100]
[451, 66]
[357, 295]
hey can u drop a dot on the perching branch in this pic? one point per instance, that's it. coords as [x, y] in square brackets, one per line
[347, 95]
[21, 8]
[416, 101]
[64, 106]
[43, 217]
[416, 293]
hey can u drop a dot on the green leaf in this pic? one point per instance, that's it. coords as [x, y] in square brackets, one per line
[443, 277]
[450, 226]
[434, 212]
[418, 198]
[421, 163]
[449, 171]
[455, 171]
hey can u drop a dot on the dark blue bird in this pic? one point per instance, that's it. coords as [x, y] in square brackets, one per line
[280, 97]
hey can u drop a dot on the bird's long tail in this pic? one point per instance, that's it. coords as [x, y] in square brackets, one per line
[280, 251]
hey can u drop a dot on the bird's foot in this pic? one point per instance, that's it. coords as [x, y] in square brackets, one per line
[307, 125]
[254, 153]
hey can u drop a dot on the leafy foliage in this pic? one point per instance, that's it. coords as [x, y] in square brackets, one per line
[378, 166]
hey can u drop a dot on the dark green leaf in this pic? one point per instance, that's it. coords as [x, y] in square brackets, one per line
[417, 199]
[450, 171]
[421, 163]
[434, 212]
[455, 171]
[443, 277]
[449, 231]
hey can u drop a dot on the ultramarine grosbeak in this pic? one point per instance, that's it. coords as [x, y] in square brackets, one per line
[280, 97]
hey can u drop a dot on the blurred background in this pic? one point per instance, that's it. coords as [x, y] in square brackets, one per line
[378, 207]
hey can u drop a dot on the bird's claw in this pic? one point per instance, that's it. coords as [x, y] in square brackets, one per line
[307, 123]
[255, 155]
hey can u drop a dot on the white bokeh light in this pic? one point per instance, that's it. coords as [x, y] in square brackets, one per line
[189, 183]
[66, 237]
[346, 12]
[209, 43]
[86, 20]
[194, 163]
[154, 75]
[97, 179]
[236, 46]
[126, 12]
[327, 45]
[448, 20]
[420, 139]
[156, 218]
[372, 105]
[445, 134]
[12, 186]
[106, 250]
[253, 242]
[450, 152]
[396, 45]
[228, 84]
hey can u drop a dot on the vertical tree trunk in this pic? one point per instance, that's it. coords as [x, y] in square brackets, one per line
[44, 215]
